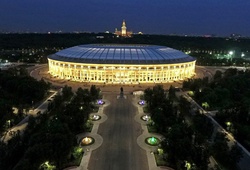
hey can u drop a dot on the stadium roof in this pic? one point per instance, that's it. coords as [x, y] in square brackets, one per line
[121, 54]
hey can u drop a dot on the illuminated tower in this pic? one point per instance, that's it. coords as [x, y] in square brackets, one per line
[124, 29]
[123, 32]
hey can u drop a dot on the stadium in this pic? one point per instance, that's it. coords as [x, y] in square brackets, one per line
[119, 63]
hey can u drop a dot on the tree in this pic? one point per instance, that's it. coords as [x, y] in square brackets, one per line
[148, 96]
[184, 106]
[220, 149]
[230, 72]
[67, 92]
[235, 154]
[217, 75]
[178, 144]
[94, 92]
[203, 128]
[171, 93]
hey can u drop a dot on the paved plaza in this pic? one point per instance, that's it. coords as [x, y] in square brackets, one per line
[119, 137]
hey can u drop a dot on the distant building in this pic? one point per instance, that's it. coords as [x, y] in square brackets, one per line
[123, 32]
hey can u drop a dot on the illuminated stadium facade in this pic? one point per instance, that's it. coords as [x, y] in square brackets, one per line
[117, 63]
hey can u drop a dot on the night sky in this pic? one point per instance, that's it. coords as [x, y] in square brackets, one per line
[191, 17]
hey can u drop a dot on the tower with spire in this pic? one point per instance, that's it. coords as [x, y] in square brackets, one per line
[123, 32]
[124, 29]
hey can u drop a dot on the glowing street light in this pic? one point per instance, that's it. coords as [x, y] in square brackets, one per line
[8, 121]
[228, 125]
[231, 53]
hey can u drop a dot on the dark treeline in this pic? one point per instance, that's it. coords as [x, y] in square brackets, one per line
[15, 41]
[187, 135]
[229, 95]
[50, 137]
[21, 91]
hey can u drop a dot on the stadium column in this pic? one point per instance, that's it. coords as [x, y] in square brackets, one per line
[147, 76]
[169, 73]
[75, 73]
[81, 79]
[161, 75]
[112, 73]
[154, 75]
[88, 72]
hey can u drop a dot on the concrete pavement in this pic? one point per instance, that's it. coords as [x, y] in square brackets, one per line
[98, 139]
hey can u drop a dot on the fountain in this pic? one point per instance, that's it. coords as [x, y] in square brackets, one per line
[153, 141]
[100, 102]
[95, 117]
[146, 118]
[87, 141]
[142, 102]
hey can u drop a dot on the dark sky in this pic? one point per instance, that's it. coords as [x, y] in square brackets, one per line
[192, 17]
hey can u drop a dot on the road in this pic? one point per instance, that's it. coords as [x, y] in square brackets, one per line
[119, 149]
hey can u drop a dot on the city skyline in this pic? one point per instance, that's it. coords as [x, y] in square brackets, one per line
[191, 17]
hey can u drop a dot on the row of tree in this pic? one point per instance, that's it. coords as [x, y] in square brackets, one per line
[187, 135]
[229, 94]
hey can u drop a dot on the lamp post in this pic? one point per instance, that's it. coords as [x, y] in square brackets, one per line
[228, 125]
[8, 121]
[231, 54]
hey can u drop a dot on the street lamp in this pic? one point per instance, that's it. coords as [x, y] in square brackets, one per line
[228, 125]
[231, 54]
[8, 121]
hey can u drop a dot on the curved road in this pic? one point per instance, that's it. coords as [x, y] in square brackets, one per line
[119, 149]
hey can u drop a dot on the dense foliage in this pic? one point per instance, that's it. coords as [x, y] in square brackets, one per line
[19, 90]
[50, 137]
[188, 135]
[184, 139]
[229, 94]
